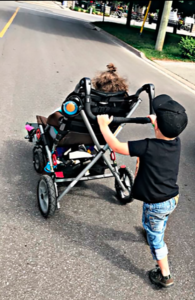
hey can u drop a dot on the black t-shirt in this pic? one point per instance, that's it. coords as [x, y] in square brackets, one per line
[156, 180]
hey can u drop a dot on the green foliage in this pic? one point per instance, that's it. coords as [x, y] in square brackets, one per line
[146, 43]
[186, 7]
[76, 8]
[187, 46]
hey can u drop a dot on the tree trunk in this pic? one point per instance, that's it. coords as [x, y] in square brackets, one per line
[73, 4]
[162, 3]
[128, 23]
[163, 26]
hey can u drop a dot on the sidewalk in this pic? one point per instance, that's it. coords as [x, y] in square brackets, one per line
[185, 70]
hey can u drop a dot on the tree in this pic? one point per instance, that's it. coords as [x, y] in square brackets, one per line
[163, 25]
[128, 23]
[187, 8]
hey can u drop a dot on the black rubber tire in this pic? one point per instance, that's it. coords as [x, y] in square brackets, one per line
[46, 189]
[125, 173]
[39, 160]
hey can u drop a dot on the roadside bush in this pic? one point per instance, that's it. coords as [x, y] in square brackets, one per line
[76, 8]
[187, 46]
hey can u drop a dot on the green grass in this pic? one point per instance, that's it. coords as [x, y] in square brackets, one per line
[146, 42]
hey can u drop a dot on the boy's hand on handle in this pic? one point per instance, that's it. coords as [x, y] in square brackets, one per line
[153, 121]
[152, 118]
[104, 120]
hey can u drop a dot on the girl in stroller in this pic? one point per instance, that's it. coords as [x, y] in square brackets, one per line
[109, 81]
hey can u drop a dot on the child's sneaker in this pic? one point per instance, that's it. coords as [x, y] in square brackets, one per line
[156, 277]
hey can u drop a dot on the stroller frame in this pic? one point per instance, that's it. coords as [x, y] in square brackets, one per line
[46, 181]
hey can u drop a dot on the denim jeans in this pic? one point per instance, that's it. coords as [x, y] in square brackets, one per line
[154, 220]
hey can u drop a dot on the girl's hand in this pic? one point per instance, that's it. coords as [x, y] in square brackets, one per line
[104, 120]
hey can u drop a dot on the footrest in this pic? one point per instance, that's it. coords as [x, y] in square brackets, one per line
[79, 155]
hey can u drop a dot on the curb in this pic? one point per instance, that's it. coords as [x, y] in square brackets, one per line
[128, 47]
[142, 56]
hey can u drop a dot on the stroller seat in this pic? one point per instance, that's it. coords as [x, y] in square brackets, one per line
[109, 95]
[76, 133]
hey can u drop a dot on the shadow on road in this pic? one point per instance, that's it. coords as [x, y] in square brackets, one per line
[22, 181]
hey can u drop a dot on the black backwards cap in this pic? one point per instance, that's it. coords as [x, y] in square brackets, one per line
[171, 116]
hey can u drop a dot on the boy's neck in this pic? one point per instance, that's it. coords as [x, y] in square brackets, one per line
[160, 136]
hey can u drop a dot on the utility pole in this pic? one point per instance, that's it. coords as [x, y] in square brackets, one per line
[163, 26]
[145, 17]
[104, 7]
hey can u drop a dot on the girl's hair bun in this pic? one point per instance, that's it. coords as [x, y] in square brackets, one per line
[111, 67]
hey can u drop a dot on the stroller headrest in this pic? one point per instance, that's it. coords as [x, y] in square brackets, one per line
[106, 95]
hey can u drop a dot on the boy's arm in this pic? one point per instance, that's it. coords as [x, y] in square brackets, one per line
[112, 141]
[137, 166]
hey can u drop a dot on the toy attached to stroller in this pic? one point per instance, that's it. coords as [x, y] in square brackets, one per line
[68, 143]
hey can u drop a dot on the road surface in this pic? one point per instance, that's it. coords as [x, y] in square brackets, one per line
[92, 248]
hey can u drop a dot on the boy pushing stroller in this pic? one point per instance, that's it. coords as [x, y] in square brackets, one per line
[156, 180]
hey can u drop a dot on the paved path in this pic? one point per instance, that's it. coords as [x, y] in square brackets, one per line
[183, 69]
[93, 247]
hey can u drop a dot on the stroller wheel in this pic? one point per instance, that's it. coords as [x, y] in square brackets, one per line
[127, 179]
[46, 196]
[39, 160]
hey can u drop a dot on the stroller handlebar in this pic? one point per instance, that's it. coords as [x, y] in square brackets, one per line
[85, 84]
[116, 120]
[140, 120]
[148, 88]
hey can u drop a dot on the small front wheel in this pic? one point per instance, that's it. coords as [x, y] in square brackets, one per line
[127, 179]
[39, 160]
[46, 196]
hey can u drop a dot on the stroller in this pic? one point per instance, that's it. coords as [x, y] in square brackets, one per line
[68, 143]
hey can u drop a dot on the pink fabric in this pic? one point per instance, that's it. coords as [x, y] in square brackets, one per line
[59, 174]
[28, 127]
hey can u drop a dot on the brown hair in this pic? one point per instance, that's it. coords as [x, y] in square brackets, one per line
[109, 81]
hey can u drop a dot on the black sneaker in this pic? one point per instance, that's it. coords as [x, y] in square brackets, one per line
[156, 277]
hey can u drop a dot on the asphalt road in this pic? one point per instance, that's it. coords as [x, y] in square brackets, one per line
[92, 248]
